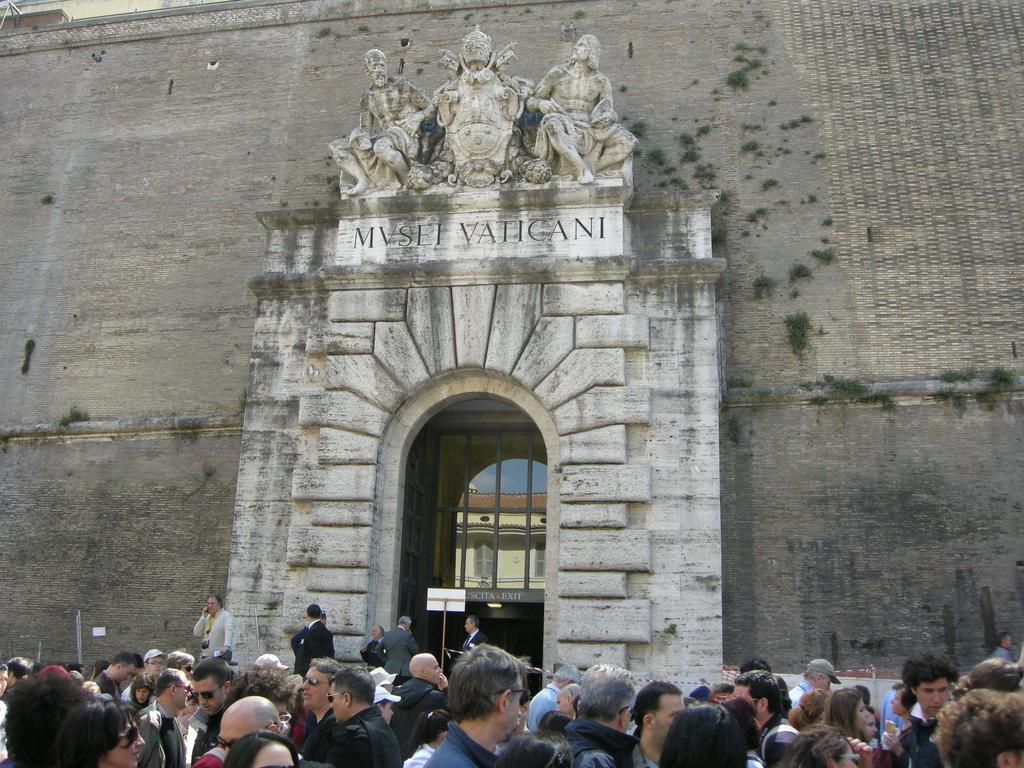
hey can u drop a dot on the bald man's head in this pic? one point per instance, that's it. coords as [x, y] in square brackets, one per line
[248, 715]
[425, 667]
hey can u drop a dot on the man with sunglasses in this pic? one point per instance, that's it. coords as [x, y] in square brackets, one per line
[320, 718]
[211, 681]
[162, 735]
[361, 737]
[485, 694]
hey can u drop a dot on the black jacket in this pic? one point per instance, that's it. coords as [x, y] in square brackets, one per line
[921, 751]
[418, 696]
[598, 746]
[364, 741]
[207, 739]
[478, 639]
[316, 643]
[317, 744]
[370, 656]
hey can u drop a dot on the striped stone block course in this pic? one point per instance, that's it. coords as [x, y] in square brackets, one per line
[385, 304]
[604, 550]
[596, 482]
[320, 547]
[592, 584]
[338, 580]
[342, 513]
[604, 445]
[625, 331]
[337, 446]
[584, 299]
[340, 339]
[594, 515]
[351, 482]
[342, 410]
[604, 621]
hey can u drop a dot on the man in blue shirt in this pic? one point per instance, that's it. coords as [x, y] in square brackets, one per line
[547, 699]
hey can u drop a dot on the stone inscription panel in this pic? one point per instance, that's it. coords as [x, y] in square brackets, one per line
[567, 232]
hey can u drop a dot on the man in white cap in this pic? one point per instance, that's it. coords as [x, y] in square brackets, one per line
[820, 674]
[154, 663]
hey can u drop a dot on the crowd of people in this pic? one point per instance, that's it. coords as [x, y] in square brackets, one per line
[171, 710]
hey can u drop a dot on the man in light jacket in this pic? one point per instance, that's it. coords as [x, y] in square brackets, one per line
[216, 626]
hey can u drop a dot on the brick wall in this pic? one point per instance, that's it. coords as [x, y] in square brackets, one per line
[859, 534]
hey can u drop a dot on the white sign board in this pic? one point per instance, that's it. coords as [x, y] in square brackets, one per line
[446, 600]
[568, 232]
[99, 631]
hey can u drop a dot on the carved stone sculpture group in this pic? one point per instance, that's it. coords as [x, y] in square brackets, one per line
[483, 126]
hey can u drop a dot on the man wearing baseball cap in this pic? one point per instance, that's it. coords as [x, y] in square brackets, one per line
[820, 674]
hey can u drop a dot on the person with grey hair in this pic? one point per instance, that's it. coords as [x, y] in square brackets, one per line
[598, 736]
[485, 695]
[397, 648]
[547, 699]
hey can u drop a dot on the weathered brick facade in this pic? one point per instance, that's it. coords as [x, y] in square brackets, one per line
[139, 150]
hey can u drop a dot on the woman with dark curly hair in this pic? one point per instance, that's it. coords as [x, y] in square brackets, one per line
[99, 734]
[984, 729]
[704, 737]
[36, 707]
[261, 750]
[820, 747]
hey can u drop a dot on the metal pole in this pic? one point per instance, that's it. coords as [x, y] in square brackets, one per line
[39, 653]
[444, 631]
[78, 634]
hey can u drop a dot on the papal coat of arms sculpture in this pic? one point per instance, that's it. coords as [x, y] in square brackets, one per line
[484, 127]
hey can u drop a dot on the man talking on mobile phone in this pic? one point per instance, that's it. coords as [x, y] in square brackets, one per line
[216, 626]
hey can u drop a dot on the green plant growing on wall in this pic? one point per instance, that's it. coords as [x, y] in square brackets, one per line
[46, 199]
[737, 79]
[798, 329]
[951, 377]
[732, 430]
[750, 146]
[29, 346]
[671, 629]
[824, 256]
[768, 184]
[638, 128]
[1002, 379]
[763, 286]
[799, 271]
[323, 32]
[704, 130]
[73, 415]
[656, 156]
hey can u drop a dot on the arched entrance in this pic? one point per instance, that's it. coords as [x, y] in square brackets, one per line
[474, 517]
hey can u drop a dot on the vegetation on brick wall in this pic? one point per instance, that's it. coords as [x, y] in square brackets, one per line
[29, 346]
[798, 330]
[74, 414]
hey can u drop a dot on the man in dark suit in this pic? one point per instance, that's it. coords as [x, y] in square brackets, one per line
[314, 642]
[369, 652]
[474, 636]
[397, 648]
